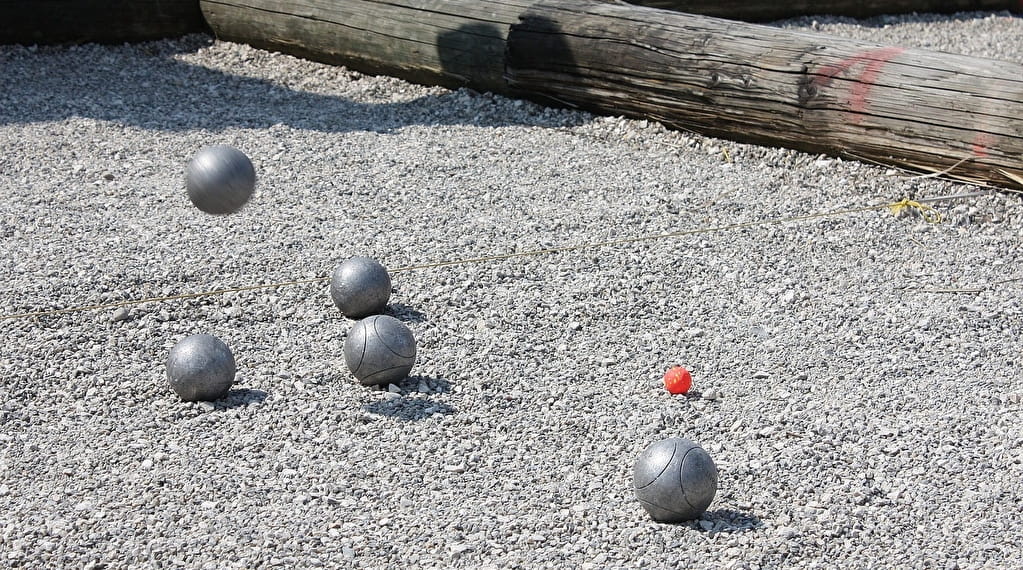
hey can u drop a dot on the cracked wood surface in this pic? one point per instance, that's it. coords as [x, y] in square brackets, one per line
[436, 42]
[923, 110]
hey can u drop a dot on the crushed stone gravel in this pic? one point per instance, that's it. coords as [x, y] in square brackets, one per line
[855, 376]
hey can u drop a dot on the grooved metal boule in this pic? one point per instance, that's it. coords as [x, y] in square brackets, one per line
[360, 287]
[220, 179]
[675, 480]
[380, 349]
[201, 368]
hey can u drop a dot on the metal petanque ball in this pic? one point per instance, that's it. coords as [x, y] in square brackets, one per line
[220, 179]
[675, 480]
[380, 349]
[200, 368]
[360, 287]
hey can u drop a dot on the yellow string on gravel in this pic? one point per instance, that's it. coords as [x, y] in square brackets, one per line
[930, 215]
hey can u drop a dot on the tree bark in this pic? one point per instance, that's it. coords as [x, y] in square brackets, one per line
[923, 110]
[456, 43]
[929, 111]
[110, 21]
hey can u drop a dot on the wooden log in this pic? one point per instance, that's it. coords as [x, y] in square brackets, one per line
[101, 21]
[457, 43]
[929, 111]
[919, 109]
[454, 43]
[766, 10]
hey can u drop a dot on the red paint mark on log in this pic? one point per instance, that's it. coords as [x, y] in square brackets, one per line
[874, 61]
[981, 143]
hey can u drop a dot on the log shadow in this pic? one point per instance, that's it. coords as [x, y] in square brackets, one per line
[148, 86]
[536, 46]
[475, 49]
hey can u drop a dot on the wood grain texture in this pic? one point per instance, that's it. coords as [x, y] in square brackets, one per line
[451, 43]
[111, 21]
[925, 110]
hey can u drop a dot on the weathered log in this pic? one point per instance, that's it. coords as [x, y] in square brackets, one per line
[101, 21]
[745, 82]
[457, 43]
[765, 10]
[926, 110]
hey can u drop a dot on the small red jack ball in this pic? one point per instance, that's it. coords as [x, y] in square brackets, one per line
[677, 380]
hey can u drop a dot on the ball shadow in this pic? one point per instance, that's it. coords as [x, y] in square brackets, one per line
[404, 313]
[408, 409]
[434, 385]
[730, 520]
[240, 397]
[412, 404]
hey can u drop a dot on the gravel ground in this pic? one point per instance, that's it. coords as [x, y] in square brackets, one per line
[855, 375]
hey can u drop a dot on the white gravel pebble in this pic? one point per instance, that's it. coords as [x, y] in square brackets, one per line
[870, 362]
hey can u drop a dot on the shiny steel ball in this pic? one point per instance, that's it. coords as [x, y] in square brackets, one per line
[220, 179]
[675, 480]
[380, 349]
[360, 287]
[201, 368]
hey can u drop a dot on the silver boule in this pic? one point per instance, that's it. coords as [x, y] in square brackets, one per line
[675, 480]
[380, 349]
[220, 179]
[360, 287]
[201, 368]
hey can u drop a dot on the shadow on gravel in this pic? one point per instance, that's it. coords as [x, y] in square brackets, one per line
[408, 409]
[434, 384]
[419, 384]
[729, 520]
[404, 313]
[412, 402]
[143, 85]
[241, 397]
